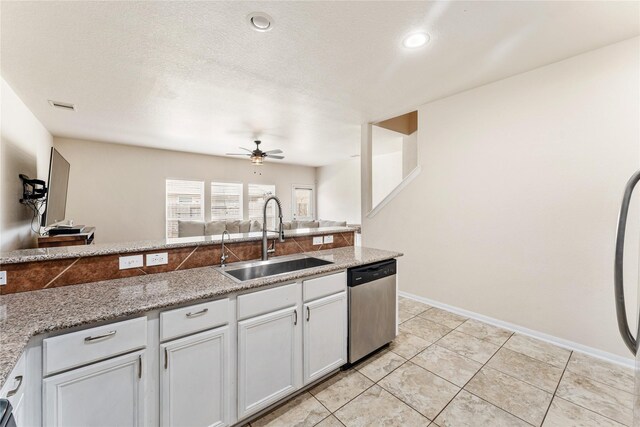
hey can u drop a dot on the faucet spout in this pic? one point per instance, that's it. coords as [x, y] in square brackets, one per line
[265, 244]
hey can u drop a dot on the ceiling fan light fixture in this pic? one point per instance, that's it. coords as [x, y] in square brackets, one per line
[257, 160]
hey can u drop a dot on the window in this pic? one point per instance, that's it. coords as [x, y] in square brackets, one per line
[258, 193]
[185, 200]
[302, 206]
[226, 200]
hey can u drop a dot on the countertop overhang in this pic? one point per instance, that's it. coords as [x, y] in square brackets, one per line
[24, 315]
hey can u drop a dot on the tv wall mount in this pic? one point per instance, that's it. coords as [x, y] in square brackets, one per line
[32, 189]
[34, 196]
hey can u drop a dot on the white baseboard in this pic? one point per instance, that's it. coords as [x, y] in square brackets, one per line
[560, 342]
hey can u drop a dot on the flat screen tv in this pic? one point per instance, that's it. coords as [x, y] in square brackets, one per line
[57, 192]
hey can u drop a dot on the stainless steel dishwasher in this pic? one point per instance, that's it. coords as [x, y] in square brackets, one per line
[372, 307]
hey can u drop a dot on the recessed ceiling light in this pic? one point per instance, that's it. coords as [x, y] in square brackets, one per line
[260, 21]
[415, 40]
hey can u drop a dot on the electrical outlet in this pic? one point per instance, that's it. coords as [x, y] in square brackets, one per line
[328, 239]
[317, 240]
[132, 261]
[3, 278]
[157, 259]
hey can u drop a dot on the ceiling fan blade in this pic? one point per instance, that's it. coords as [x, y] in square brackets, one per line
[245, 149]
[238, 154]
[275, 157]
[276, 151]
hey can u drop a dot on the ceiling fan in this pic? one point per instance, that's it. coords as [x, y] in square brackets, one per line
[257, 156]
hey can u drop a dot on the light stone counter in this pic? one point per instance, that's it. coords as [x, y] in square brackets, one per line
[24, 315]
[65, 252]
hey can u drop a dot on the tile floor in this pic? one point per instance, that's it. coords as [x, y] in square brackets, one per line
[445, 370]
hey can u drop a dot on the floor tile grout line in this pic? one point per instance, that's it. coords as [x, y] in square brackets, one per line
[461, 388]
[553, 396]
[470, 379]
[328, 416]
[486, 340]
[590, 410]
[354, 397]
[577, 404]
[486, 363]
[406, 403]
[322, 404]
[491, 403]
[594, 380]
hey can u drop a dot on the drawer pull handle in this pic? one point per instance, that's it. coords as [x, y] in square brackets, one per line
[139, 366]
[15, 390]
[100, 337]
[308, 313]
[295, 321]
[197, 313]
[166, 358]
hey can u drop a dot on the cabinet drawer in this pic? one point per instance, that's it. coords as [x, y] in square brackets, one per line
[90, 345]
[324, 286]
[261, 302]
[194, 318]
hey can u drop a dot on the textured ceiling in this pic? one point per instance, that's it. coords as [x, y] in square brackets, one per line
[193, 76]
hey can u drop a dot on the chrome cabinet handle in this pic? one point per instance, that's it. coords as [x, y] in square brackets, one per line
[295, 320]
[15, 390]
[197, 313]
[166, 358]
[621, 310]
[99, 337]
[308, 313]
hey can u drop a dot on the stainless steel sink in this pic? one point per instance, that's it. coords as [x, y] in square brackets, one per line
[273, 267]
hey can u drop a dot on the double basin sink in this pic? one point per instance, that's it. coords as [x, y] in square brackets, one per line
[241, 272]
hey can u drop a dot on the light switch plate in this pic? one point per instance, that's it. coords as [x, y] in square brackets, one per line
[317, 240]
[328, 239]
[157, 259]
[3, 278]
[133, 261]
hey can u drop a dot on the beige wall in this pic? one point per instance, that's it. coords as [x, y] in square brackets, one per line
[25, 147]
[120, 189]
[387, 174]
[339, 191]
[514, 213]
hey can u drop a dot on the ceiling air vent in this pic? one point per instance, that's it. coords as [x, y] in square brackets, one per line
[62, 105]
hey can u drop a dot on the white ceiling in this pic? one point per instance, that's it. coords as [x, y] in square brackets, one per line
[195, 77]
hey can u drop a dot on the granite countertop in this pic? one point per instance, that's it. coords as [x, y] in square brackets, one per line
[64, 252]
[26, 314]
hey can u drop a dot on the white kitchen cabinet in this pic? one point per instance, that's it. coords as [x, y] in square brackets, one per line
[14, 390]
[325, 336]
[107, 393]
[269, 359]
[194, 380]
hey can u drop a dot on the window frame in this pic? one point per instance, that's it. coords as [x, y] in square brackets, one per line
[312, 209]
[211, 197]
[166, 203]
[274, 213]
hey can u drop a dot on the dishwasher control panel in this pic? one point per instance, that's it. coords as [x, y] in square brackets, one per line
[371, 272]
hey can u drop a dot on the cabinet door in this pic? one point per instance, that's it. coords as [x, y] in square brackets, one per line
[269, 359]
[325, 335]
[194, 380]
[14, 390]
[105, 394]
